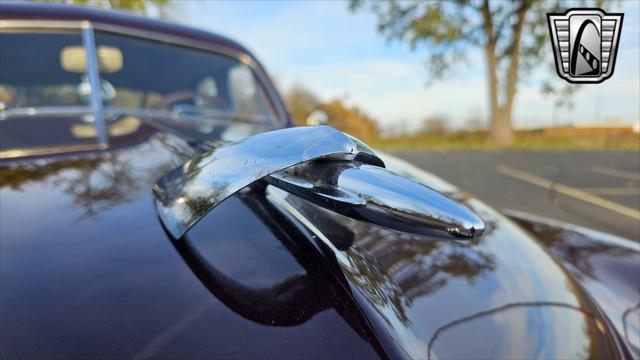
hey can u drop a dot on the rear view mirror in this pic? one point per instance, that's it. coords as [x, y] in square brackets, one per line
[74, 59]
[317, 117]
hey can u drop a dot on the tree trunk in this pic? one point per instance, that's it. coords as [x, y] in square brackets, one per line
[501, 133]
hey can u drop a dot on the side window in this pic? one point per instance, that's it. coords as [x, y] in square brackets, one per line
[43, 70]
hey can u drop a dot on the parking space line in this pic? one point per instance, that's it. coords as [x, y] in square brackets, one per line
[612, 191]
[616, 173]
[569, 191]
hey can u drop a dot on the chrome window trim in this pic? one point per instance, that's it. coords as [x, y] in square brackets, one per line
[46, 110]
[47, 150]
[93, 75]
[34, 25]
[24, 24]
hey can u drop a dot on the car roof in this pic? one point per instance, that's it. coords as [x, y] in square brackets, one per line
[39, 11]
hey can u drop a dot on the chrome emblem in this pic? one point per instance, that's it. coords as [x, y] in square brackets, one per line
[585, 43]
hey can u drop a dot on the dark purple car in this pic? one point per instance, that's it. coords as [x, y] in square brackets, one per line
[155, 202]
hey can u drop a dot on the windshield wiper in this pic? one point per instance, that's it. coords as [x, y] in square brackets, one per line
[199, 115]
[217, 113]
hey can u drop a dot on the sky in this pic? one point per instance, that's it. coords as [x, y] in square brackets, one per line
[336, 53]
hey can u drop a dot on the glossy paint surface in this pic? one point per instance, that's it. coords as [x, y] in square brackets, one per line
[500, 296]
[607, 266]
[87, 270]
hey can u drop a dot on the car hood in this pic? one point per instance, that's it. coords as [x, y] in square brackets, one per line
[87, 270]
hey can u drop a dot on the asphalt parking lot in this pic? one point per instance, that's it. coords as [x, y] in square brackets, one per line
[596, 189]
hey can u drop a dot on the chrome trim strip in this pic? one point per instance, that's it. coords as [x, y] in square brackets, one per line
[160, 114]
[94, 79]
[45, 110]
[48, 150]
[16, 24]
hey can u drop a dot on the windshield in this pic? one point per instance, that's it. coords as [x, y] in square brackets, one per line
[45, 90]
[144, 74]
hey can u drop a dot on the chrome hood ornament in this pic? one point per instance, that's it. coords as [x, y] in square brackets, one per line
[320, 164]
